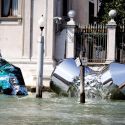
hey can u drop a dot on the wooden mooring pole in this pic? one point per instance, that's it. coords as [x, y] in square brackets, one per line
[82, 76]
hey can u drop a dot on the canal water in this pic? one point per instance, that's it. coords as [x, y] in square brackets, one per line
[57, 110]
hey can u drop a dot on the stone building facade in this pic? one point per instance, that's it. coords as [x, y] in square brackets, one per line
[19, 30]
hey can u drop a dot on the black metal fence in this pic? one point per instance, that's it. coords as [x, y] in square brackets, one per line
[93, 40]
[120, 43]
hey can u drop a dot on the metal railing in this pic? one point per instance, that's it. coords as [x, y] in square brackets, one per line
[93, 39]
[120, 43]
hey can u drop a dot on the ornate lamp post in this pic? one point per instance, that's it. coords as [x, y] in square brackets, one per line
[39, 84]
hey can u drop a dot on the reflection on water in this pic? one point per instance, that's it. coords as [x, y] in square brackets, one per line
[54, 110]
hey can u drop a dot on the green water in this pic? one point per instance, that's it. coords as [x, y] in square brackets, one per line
[54, 110]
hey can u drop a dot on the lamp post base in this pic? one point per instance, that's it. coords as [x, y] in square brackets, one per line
[39, 94]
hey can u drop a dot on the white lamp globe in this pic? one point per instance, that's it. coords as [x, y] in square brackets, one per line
[41, 21]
